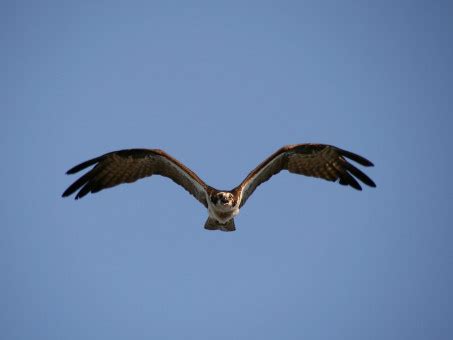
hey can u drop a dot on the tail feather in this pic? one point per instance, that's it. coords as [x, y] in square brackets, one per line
[213, 224]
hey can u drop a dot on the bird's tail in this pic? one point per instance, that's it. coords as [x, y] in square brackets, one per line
[212, 224]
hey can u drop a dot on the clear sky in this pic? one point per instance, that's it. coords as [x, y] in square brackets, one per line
[220, 86]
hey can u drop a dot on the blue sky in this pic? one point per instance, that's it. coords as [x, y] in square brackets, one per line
[220, 86]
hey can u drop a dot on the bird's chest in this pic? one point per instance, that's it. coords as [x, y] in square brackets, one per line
[222, 216]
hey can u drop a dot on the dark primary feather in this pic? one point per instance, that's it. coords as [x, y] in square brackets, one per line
[355, 157]
[83, 165]
[127, 166]
[315, 160]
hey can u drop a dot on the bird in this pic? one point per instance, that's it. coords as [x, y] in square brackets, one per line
[322, 161]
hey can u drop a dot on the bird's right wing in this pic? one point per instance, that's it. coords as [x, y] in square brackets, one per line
[127, 166]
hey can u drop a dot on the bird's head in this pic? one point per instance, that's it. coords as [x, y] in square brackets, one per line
[223, 200]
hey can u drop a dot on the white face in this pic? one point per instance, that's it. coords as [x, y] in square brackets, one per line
[224, 200]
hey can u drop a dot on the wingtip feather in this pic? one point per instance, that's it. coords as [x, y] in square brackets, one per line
[360, 175]
[83, 165]
[356, 158]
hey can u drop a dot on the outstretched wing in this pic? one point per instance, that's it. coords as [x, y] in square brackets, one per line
[315, 160]
[127, 166]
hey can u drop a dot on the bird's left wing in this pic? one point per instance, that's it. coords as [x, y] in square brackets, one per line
[127, 166]
[315, 160]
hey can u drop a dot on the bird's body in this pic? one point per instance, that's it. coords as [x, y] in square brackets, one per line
[222, 207]
[126, 166]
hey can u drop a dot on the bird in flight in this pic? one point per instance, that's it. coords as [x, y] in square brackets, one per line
[126, 166]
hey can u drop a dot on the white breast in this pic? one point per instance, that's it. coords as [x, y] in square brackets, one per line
[221, 214]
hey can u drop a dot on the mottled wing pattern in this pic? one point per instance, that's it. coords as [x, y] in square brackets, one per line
[314, 160]
[127, 166]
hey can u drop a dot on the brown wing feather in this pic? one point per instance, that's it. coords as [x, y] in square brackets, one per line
[127, 166]
[315, 160]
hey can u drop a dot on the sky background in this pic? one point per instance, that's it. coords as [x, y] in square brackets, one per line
[220, 86]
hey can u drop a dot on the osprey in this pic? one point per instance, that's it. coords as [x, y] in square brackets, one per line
[126, 166]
